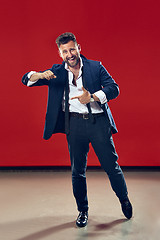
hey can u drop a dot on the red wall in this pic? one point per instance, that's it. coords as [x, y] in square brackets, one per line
[124, 35]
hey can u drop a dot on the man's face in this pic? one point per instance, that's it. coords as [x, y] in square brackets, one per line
[70, 53]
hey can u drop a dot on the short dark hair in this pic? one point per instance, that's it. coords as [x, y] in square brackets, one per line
[65, 38]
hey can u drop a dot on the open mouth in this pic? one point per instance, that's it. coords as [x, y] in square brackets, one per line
[71, 59]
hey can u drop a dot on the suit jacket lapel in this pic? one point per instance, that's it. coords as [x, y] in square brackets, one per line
[87, 76]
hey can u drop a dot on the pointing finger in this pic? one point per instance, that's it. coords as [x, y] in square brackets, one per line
[75, 97]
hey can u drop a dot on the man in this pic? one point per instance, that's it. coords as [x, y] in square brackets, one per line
[79, 90]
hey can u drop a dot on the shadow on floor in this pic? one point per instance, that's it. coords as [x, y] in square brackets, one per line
[48, 231]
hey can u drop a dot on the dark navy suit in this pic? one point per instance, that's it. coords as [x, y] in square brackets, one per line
[82, 131]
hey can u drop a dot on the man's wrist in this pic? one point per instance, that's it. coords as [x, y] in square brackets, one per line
[30, 74]
[35, 76]
[100, 95]
[92, 98]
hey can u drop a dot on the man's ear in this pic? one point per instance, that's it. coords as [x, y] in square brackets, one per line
[79, 47]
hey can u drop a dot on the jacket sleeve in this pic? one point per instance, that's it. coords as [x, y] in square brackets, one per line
[109, 86]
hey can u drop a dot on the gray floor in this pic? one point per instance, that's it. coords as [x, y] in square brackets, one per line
[40, 205]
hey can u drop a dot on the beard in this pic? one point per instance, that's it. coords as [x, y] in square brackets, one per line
[73, 61]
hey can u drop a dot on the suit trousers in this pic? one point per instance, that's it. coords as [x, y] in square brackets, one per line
[82, 133]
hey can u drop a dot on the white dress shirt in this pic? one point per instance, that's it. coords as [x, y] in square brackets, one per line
[75, 105]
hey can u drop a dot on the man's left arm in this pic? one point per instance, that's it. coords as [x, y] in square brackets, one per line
[109, 86]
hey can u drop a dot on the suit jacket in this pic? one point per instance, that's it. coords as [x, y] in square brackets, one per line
[96, 78]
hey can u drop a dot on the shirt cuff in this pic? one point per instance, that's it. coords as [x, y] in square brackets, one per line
[102, 96]
[29, 76]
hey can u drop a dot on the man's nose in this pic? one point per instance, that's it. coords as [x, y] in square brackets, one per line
[69, 54]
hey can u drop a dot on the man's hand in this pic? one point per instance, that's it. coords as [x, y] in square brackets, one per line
[45, 75]
[84, 98]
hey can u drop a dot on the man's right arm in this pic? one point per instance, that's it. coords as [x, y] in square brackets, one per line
[45, 75]
[32, 77]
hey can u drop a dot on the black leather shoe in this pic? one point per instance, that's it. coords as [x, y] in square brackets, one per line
[82, 219]
[127, 208]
